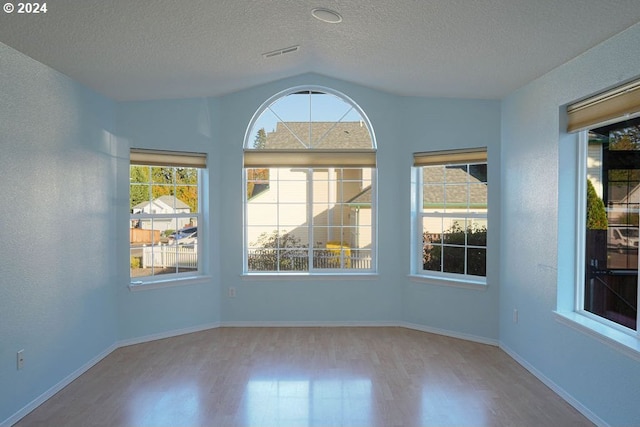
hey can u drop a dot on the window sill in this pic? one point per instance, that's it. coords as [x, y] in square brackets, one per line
[308, 276]
[136, 286]
[449, 282]
[619, 340]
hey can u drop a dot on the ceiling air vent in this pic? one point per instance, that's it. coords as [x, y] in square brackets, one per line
[279, 52]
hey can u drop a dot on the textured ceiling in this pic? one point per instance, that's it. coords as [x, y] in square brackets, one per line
[144, 49]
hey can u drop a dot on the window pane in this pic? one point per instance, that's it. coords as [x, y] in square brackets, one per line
[455, 231]
[433, 174]
[186, 200]
[431, 256]
[477, 261]
[433, 197]
[477, 196]
[453, 259]
[477, 232]
[456, 174]
[456, 197]
[613, 195]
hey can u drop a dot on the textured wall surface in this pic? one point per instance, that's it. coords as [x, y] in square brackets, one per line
[538, 234]
[57, 299]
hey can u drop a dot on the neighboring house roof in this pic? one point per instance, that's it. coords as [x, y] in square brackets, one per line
[166, 200]
[363, 198]
[454, 192]
[323, 135]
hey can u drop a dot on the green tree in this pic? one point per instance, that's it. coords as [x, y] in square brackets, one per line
[260, 141]
[596, 212]
[139, 185]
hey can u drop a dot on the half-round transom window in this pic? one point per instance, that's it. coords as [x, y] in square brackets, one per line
[309, 119]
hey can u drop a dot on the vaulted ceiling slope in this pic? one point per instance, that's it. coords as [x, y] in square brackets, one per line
[142, 49]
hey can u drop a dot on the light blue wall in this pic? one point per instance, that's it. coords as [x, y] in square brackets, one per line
[402, 125]
[178, 125]
[57, 222]
[538, 233]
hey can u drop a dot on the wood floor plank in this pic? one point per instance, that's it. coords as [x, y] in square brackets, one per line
[306, 377]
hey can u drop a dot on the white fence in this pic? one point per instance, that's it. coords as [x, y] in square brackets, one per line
[181, 256]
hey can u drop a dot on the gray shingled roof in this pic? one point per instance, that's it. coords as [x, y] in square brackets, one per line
[456, 191]
[168, 200]
[324, 135]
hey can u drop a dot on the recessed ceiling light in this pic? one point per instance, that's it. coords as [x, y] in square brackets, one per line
[326, 15]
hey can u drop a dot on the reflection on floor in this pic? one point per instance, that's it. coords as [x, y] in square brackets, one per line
[306, 377]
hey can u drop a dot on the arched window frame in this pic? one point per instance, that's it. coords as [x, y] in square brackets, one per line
[344, 259]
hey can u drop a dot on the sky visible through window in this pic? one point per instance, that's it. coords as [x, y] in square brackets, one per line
[305, 107]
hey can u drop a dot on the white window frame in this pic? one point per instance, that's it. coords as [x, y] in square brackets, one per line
[160, 158]
[326, 163]
[581, 223]
[417, 214]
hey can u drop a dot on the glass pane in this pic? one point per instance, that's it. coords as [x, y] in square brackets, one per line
[186, 176]
[186, 200]
[433, 174]
[453, 259]
[477, 262]
[431, 256]
[477, 232]
[611, 276]
[262, 259]
[432, 229]
[456, 196]
[433, 197]
[291, 215]
[293, 259]
[478, 197]
[478, 172]
[162, 175]
[262, 214]
[456, 174]
[455, 231]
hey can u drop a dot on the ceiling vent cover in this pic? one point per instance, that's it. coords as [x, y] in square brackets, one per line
[280, 52]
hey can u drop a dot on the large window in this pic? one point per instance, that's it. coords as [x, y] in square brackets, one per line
[165, 215]
[309, 186]
[610, 287]
[450, 214]
[608, 186]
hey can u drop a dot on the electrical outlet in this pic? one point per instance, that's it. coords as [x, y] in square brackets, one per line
[515, 315]
[20, 359]
[231, 292]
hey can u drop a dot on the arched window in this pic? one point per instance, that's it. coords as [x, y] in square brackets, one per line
[309, 185]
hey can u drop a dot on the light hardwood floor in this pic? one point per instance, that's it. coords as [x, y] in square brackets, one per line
[306, 377]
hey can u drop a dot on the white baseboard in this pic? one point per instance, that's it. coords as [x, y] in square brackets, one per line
[56, 388]
[556, 388]
[448, 333]
[306, 324]
[168, 334]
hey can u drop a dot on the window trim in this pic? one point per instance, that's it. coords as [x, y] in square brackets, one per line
[175, 159]
[444, 158]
